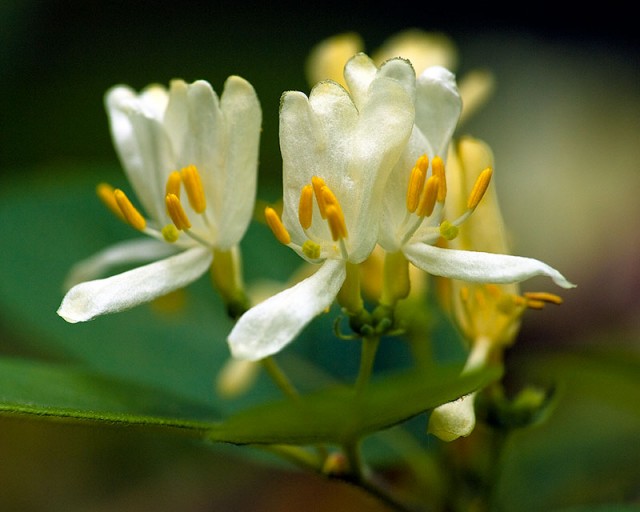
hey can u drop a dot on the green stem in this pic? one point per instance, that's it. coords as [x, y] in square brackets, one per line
[279, 377]
[367, 358]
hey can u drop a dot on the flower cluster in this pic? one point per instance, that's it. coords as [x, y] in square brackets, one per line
[370, 165]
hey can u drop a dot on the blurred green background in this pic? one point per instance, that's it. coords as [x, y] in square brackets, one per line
[564, 125]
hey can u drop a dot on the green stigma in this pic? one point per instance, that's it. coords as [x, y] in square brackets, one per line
[170, 233]
[448, 230]
[311, 250]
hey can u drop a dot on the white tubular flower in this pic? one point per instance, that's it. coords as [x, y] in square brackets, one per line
[173, 143]
[414, 205]
[338, 151]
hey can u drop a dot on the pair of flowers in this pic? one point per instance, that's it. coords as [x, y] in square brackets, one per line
[362, 166]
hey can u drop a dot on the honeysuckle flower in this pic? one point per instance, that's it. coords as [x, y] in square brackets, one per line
[414, 220]
[488, 315]
[172, 143]
[338, 150]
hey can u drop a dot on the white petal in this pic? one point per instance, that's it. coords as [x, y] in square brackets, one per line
[123, 253]
[359, 72]
[271, 325]
[243, 118]
[384, 127]
[479, 267]
[143, 284]
[438, 107]
[454, 419]
[141, 143]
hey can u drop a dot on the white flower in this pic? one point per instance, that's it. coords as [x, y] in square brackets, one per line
[413, 219]
[338, 150]
[184, 138]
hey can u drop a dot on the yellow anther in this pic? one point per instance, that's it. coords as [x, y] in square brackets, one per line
[305, 208]
[423, 163]
[176, 212]
[536, 304]
[334, 214]
[170, 233]
[105, 193]
[336, 222]
[416, 183]
[130, 213]
[429, 196]
[318, 184]
[479, 188]
[544, 297]
[193, 186]
[448, 231]
[276, 225]
[173, 184]
[311, 249]
[437, 169]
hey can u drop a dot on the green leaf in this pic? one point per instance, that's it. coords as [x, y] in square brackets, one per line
[55, 391]
[337, 415]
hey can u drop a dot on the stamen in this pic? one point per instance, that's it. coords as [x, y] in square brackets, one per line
[335, 219]
[437, 169]
[416, 183]
[173, 184]
[429, 196]
[130, 213]
[176, 212]
[535, 304]
[480, 187]
[318, 184]
[544, 297]
[276, 225]
[305, 208]
[105, 193]
[193, 186]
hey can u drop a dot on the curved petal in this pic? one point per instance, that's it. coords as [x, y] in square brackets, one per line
[243, 117]
[271, 325]
[480, 267]
[384, 127]
[143, 284]
[438, 107]
[140, 250]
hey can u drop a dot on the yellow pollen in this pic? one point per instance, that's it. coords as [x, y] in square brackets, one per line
[336, 222]
[479, 189]
[305, 208]
[276, 225]
[173, 184]
[544, 297]
[318, 184]
[416, 183]
[176, 212]
[170, 233]
[130, 213]
[105, 193]
[429, 196]
[437, 169]
[193, 186]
